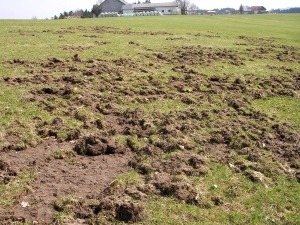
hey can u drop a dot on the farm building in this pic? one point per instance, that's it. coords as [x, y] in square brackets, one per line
[113, 6]
[258, 9]
[167, 8]
[211, 12]
[254, 10]
[121, 6]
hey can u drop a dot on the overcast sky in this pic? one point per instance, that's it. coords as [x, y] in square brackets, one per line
[27, 9]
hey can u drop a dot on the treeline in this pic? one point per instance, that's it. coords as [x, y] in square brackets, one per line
[225, 11]
[222, 11]
[185, 6]
[96, 10]
[78, 13]
[290, 10]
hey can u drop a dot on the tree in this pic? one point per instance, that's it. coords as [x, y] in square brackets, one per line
[241, 9]
[147, 1]
[85, 14]
[97, 9]
[55, 17]
[192, 8]
[78, 13]
[183, 5]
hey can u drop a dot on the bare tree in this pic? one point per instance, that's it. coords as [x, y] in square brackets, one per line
[78, 13]
[192, 8]
[183, 5]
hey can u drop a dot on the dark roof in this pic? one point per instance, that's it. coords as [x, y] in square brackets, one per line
[126, 3]
[257, 8]
[150, 5]
[122, 1]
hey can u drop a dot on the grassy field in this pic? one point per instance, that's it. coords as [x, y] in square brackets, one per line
[207, 106]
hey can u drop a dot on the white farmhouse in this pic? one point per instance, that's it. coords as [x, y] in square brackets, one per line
[167, 8]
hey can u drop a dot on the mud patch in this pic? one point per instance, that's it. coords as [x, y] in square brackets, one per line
[266, 48]
[6, 172]
[79, 48]
[122, 209]
[181, 189]
[195, 55]
[78, 176]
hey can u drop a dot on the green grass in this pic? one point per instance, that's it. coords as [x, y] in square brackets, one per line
[126, 180]
[63, 154]
[162, 106]
[286, 109]
[254, 202]
[10, 193]
[46, 44]
[13, 107]
[64, 206]
[244, 202]
[17, 115]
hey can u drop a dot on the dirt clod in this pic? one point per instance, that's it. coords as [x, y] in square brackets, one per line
[180, 189]
[93, 145]
[129, 211]
[122, 209]
[6, 172]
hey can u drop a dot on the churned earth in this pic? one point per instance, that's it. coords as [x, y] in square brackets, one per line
[122, 132]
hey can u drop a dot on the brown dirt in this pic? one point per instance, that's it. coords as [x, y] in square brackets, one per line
[93, 146]
[195, 55]
[6, 172]
[265, 48]
[121, 208]
[179, 188]
[80, 176]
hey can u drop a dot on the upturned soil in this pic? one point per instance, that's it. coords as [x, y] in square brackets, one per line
[127, 118]
[82, 176]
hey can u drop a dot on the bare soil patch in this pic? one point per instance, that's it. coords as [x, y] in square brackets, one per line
[81, 176]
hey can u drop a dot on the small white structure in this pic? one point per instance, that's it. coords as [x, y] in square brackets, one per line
[211, 12]
[167, 8]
